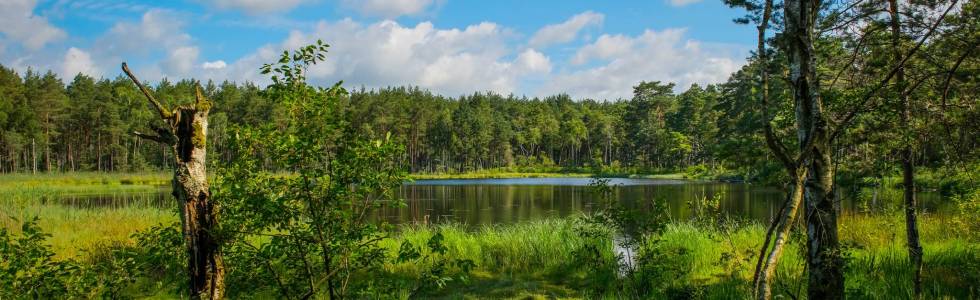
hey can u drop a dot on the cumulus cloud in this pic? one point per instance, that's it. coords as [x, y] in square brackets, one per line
[156, 44]
[389, 8]
[218, 64]
[157, 29]
[78, 61]
[256, 7]
[19, 23]
[679, 3]
[605, 47]
[534, 61]
[566, 31]
[653, 55]
[181, 60]
[451, 61]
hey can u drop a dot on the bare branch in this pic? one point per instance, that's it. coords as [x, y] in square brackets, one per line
[164, 113]
[149, 137]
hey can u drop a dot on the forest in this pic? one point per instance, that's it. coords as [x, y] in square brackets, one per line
[275, 191]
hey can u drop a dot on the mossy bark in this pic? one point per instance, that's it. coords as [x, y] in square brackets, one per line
[198, 219]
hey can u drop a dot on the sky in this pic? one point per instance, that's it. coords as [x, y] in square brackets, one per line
[587, 49]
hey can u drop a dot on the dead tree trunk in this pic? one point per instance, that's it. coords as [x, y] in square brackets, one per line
[186, 134]
[824, 262]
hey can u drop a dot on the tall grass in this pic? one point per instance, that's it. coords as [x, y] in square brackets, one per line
[538, 259]
[75, 229]
[544, 259]
[23, 186]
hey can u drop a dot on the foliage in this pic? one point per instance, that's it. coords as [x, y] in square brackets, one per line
[306, 233]
[441, 270]
[27, 267]
[967, 217]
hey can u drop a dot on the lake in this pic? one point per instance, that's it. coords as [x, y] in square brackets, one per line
[503, 201]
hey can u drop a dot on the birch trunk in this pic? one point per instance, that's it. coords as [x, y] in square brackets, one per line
[782, 230]
[824, 263]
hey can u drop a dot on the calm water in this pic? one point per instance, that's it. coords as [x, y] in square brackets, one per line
[502, 201]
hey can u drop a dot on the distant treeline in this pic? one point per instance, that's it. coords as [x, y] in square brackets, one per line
[87, 124]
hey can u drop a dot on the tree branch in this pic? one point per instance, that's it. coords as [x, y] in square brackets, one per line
[956, 66]
[857, 50]
[149, 137]
[164, 113]
[870, 94]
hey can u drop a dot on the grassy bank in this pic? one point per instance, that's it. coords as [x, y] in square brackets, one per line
[559, 258]
[689, 259]
[75, 229]
[25, 185]
[489, 174]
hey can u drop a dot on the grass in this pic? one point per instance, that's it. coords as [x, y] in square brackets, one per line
[504, 173]
[542, 259]
[538, 260]
[23, 185]
[76, 229]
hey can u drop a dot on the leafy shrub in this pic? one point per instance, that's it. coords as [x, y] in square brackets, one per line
[28, 268]
[441, 268]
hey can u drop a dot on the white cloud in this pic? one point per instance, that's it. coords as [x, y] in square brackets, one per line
[449, 61]
[389, 8]
[181, 60]
[534, 61]
[18, 22]
[218, 64]
[654, 55]
[256, 7]
[78, 61]
[157, 29]
[679, 3]
[156, 46]
[566, 31]
[605, 47]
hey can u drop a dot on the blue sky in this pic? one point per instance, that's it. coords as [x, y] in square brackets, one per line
[589, 49]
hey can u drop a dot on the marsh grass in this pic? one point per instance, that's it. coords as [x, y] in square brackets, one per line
[543, 259]
[75, 229]
[538, 260]
[30, 186]
[498, 173]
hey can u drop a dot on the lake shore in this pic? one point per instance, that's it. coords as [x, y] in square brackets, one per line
[57, 182]
[507, 175]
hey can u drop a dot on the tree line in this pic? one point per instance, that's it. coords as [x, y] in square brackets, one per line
[87, 124]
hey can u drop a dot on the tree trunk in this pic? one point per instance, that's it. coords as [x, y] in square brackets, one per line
[908, 170]
[190, 187]
[33, 156]
[187, 136]
[782, 224]
[785, 222]
[824, 263]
